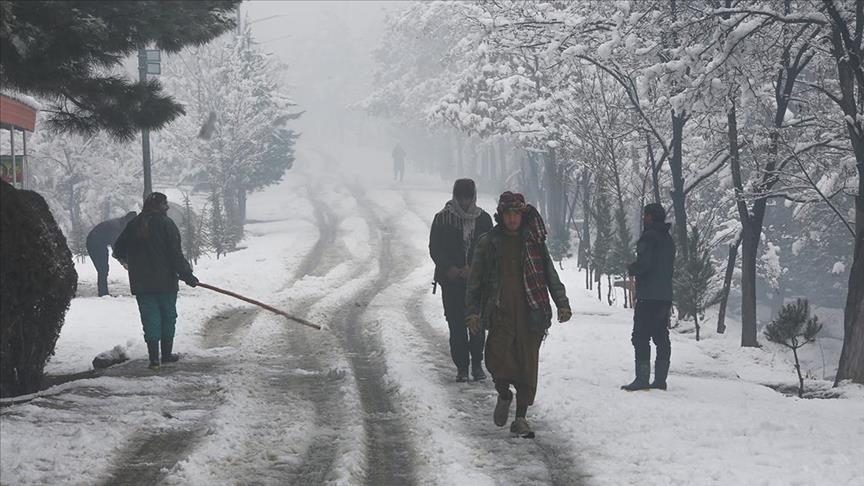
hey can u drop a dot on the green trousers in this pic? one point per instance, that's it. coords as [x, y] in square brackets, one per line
[158, 314]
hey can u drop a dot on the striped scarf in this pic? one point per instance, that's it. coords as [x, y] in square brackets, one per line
[534, 264]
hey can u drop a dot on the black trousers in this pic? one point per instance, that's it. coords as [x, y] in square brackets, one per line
[465, 348]
[99, 257]
[651, 322]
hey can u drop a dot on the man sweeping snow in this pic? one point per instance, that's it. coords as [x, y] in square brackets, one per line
[150, 249]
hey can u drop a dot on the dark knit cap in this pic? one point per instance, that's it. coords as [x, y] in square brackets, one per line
[464, 188]
[656, 211]
[155, 201]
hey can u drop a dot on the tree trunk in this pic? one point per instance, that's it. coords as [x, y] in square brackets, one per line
[610, 289]
[626, 292]
[676, 168]
[798, 369]
[696, 322]
[749, 253]
[241, 205]
[655, 171]
[554, 189]
[460, 161]
[727, 284]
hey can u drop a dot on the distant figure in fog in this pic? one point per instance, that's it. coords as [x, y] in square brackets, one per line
[99, 239]
[511, 279]
[150, 249]
[398, 163]
[653, 269]
[454, 234]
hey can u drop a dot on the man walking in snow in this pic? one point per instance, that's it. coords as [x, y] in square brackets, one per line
[653, 269]
[150, 249]
[454, 234]
[510, 281]
[398, 163]
[99, 239]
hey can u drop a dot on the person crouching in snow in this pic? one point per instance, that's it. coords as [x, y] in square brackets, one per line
[509, 284]
[454, 234]
[653, 269]
[149, 247]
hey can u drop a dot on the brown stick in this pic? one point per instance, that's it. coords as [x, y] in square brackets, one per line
[260, 304]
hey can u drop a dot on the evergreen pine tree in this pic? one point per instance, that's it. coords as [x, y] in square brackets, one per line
[793, 328]
[694, 275]
[622, 248]
[191, 234]
[63, 52]
[217, 233]
[603, 241]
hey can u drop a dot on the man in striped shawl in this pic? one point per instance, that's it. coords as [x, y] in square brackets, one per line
[455, 231]
[511, 279]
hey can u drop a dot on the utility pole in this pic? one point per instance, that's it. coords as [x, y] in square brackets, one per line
[145, 133]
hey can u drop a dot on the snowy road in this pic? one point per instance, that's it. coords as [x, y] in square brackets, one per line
[371, 398]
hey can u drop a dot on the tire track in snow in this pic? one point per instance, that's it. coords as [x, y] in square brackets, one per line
[299, 417]
[390, 456]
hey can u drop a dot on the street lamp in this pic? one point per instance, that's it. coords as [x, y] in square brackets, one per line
[149, 62]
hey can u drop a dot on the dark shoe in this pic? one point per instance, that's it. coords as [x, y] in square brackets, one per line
[522, 428]
[478, 374]
[153, 351]
[502, 411]
[154, 365]
[661, 371]
[462, 376]
[167, 356]
[643, 373]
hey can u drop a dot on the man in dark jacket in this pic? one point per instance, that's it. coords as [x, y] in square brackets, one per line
[99, 239]
[150, 249]
[455, 231]
[653, 268]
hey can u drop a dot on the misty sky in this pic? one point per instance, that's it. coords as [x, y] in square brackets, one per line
[327, 47]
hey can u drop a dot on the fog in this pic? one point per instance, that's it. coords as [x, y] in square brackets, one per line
[327, 49]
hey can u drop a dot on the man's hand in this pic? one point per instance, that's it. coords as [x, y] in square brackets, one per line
[472, 322]
[125, 265]
[564, 315]
[454, 273]
[192, 281]
[465, 271]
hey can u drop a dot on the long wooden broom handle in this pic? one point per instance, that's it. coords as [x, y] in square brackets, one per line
[260, 304]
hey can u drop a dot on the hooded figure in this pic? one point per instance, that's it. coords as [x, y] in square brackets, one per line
[99, 239]
[150, 249]
[511, 279]
[653, 270]
[398, 163]
[454, 234]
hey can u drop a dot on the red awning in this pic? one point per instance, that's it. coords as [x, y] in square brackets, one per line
[17, 114]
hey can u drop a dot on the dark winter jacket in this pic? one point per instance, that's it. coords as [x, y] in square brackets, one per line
[150, 247]
[446, 244]
[484, 284]
[105, 233]
[655, 262]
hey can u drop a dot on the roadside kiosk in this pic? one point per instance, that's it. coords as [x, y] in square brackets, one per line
[17, 114]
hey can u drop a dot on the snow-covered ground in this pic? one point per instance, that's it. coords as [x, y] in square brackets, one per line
[257, 399]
